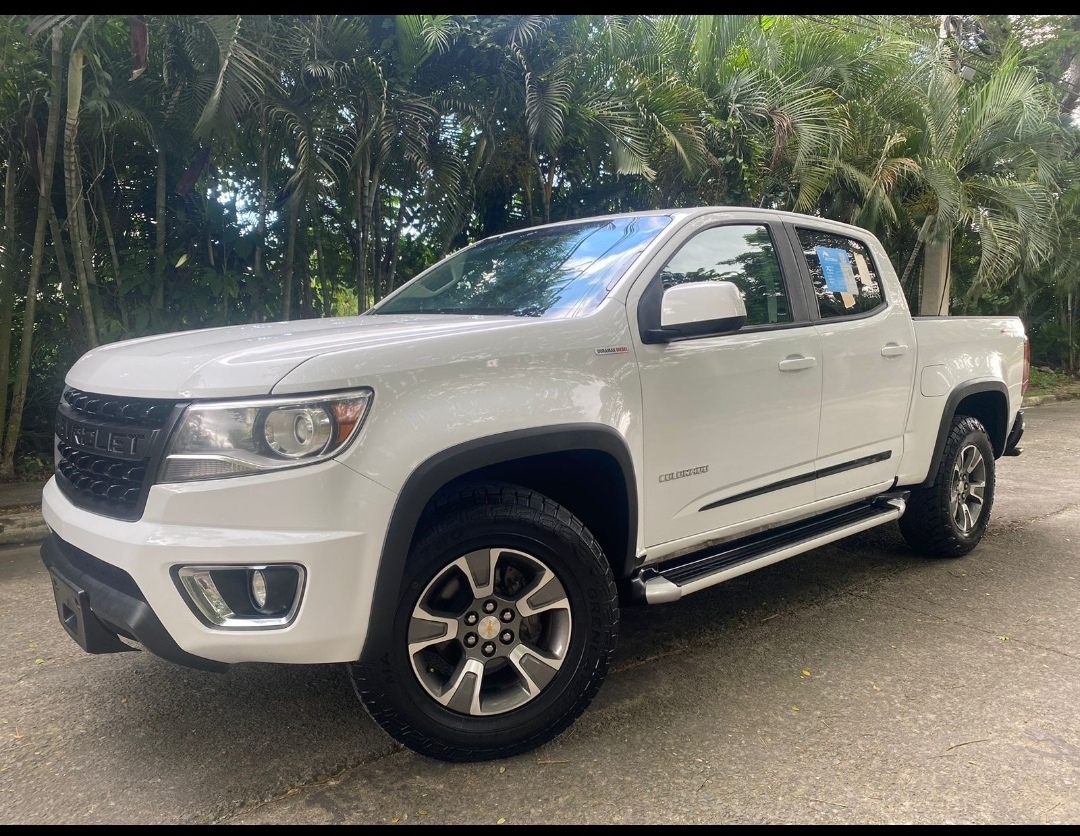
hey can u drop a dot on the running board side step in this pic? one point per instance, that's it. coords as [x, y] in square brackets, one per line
[673, 579]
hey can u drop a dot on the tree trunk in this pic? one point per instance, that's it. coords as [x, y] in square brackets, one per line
[910, 263]
[1069, 73]
[106, 225]
[326, 287]
[22, 374]
[264, 185]
[307, 311]
[77, 230]
[360, 264]
[526, 183]
[290, 266]
[393, 247]
[67, 286]
[90, 238]
[9, 272]
[1071, 79]
[934, 300]
[1070, 350]
[158, 301]
[549, 189]
[377, 253]
[367, 188]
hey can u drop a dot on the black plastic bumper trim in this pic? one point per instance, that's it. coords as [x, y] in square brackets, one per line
[1015, 434]
[96, 602]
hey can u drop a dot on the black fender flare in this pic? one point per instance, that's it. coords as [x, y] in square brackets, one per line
[443, 467]
[957, 395]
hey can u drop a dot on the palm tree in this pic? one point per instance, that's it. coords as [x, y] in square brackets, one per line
[926, 153]
[771, 106]
[45, 170]
[986, 154]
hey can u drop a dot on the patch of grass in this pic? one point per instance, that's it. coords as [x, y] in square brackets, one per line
[1047, 381]
[33, 468]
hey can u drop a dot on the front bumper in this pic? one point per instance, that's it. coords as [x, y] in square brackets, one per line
[116, 578]
[97, 603]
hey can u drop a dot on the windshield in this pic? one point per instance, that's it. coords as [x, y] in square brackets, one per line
[555, 272]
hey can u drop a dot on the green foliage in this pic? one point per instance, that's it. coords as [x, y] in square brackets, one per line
[248, 168]
[1048, 381]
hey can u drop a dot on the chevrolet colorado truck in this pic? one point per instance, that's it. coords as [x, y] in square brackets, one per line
[454, 492]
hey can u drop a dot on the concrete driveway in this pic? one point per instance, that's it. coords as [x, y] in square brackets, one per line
[857, 683]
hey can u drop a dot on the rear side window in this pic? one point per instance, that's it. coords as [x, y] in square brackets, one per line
[846, 282]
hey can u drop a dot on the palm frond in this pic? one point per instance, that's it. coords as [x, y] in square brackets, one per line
[45, 23]
[523, 30]
[1004, 108]
[241, 76]
[944, 183]
[547, 96]
[437, 31]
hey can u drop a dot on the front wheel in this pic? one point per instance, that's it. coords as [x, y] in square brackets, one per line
[949, 518]
[504, 633]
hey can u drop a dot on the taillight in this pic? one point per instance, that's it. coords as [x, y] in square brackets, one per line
[1027, 365]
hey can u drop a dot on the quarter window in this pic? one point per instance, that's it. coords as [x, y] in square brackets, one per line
[845, 280]
[742, 255]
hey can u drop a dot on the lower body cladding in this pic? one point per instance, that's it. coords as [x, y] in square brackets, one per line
[202, 580]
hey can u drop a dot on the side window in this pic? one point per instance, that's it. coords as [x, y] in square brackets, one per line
[743, 255]
[845, 280]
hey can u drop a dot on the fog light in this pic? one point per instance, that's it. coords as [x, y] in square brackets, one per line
[200, 586]
[242, 597]
[258, 588]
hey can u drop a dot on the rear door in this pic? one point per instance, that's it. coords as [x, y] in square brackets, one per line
[867, 344]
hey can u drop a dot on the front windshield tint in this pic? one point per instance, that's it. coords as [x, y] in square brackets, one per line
[555, 272]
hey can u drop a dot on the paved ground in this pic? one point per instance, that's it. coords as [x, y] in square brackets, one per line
[20, 513]
[854, 684]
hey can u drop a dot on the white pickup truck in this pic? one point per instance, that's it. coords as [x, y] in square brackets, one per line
[455, 492]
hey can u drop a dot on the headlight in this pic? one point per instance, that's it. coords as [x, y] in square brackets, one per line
[233, 438]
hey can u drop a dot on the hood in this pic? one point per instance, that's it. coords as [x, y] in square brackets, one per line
[246, 360]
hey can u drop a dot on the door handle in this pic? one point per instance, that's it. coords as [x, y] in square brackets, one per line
[796, 362]
[894, 350]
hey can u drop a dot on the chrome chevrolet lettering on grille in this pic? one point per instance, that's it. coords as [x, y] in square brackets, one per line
[127, 443]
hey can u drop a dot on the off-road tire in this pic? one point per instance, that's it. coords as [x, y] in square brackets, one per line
[525, 534]
[934, 523]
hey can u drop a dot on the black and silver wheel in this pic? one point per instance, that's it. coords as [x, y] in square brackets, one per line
[504, 632]
[949, 518]
[490, 632]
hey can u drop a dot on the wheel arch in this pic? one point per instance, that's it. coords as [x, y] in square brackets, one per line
[986, 400]
[587, 468]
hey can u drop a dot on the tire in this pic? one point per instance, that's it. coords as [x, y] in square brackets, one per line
[504, 633]
[949, 518]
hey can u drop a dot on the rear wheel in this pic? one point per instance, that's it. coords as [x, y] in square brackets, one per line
[949, 518]
[504, 633]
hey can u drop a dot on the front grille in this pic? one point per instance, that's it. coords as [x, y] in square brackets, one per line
[142, 412]
[101, 476]
[107, 449]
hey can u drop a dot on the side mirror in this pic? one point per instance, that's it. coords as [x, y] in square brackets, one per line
[700, 308]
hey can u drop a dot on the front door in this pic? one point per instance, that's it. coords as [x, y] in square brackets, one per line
[731, 421]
